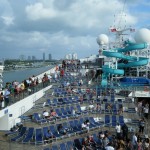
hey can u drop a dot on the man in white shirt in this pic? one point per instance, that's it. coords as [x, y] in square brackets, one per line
[146, 111]
[49, 77]
[85, 125]
[134, 141]
[118, 130]
[45, 114]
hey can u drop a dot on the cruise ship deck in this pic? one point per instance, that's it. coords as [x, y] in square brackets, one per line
[67, 94]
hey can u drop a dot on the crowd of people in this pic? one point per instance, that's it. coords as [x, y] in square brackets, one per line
[143, 109]
[13, 90]
[52, 115]
[121, 140]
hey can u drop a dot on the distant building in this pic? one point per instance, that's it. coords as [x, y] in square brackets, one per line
[49, 57]
[43, 56]
[22, 57]
[29, 58]
[33, 58]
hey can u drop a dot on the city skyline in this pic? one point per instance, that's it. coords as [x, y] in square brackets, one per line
[48, 56]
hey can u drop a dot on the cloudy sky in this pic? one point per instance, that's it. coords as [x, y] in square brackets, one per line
[60, 27]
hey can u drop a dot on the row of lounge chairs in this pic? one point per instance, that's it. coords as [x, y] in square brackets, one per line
[62, 113]
[37, 136]
[28, 134]
[75, 144]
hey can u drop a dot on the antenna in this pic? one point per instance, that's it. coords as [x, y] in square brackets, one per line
[120, 26]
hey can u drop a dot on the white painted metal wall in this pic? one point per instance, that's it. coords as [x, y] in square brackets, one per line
[9, 115]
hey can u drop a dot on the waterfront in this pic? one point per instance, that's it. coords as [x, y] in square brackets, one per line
[20, 75]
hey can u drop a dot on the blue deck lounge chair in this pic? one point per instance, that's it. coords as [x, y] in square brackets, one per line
[45, 130]
[55, 102]
[98, 124]
[48, 102]
[114, 121]
[69, 145]
[114, 109]
[81, 111]
[37, 119]
[107, 120]
[121, 120]
[69, 111]
[65, 112]
[78, 125]
[59, 113]
[28, 136]
[63, 146]
[55, 147]
[74, 127]
[38, 136]
[68, 129]
[47, 148]
[66, 101]
[55, 132]
[20, 135]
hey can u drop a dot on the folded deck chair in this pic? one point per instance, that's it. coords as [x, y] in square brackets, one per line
[29, 135]
[39, 136]
[114, 121]
[55, 132]
[63, 146]
[107, 120]
[121, 120]
[37, 119]
[65, 112]
[70, 145]
[20, 134]
[74, 127]
[55, 147]
[59, 113]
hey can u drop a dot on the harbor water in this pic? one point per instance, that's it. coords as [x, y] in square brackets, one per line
[20, 75]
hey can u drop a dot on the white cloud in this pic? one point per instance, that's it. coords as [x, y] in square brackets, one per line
[8, 20]
[37, 11]
[59, 26]
[85, 14]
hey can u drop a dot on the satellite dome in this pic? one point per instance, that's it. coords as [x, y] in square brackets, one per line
[74, 56]
[102, 39]
[66, 57]
[142, 35]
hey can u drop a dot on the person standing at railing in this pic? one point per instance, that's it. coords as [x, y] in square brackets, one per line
[1, 100]
[141, 125]
[146, 111]
[6, 96]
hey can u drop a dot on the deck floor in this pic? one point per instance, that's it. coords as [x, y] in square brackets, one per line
[5, 144]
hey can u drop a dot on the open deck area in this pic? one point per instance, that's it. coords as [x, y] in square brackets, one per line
[71, 92]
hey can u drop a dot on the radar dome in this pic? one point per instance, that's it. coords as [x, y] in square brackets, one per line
[142, 35]
[102, 39]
